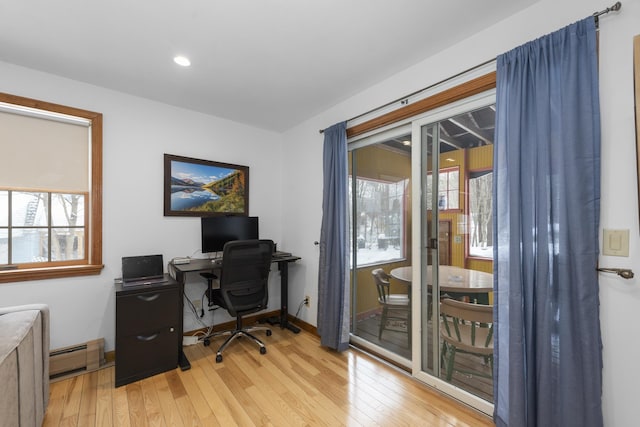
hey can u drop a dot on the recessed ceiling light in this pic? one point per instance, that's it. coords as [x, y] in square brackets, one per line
[182, 61]
[406, 142]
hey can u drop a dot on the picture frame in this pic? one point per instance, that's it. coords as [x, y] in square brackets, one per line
[636, 73]
[196, 187]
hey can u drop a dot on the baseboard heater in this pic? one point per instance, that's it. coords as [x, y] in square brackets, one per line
[76, 359]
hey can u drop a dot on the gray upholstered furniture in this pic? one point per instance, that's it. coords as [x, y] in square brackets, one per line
[24, 364]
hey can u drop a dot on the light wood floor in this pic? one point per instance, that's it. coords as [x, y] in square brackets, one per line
[297, 383]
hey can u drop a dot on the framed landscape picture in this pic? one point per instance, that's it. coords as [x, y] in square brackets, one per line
[195, 187]
[636, 72]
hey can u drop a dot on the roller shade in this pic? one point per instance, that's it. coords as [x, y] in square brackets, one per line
[52, 154]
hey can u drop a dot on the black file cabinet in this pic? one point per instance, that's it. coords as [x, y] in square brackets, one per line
[147, 330]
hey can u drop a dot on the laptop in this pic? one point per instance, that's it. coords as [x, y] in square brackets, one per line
[143, 270]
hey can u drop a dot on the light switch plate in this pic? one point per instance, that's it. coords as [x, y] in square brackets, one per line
[615, 242]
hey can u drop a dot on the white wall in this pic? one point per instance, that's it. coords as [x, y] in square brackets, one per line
[287, 194]
[137, 132]
[620, 299]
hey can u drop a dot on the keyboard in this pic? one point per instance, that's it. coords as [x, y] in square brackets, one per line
[275, 255]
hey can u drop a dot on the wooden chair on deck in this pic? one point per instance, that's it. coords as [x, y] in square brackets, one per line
[395, 307]
[466, 328]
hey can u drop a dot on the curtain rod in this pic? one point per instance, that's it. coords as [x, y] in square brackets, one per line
[613, 8]
[404, 100]
[596, 15]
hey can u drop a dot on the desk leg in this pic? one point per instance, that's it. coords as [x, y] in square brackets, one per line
[183, 361]
[283, 320]
[284, 298]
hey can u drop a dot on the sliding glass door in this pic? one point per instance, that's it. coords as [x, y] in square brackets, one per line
[454, 148]
[420, 233]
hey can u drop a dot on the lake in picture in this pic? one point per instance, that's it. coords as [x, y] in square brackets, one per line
[185, 198]
[189, 183]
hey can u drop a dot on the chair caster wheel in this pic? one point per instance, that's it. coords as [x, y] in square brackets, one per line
[268, 332]
[263, 350]
[206, 342]
[218, 358]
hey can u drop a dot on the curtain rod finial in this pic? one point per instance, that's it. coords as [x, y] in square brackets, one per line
[616, 7]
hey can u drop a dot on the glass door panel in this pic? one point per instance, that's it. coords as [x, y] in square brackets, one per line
[456, 161]
[380, 224]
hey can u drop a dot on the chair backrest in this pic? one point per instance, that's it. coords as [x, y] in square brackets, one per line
[467, 326]
[245, 275]
[381, 279]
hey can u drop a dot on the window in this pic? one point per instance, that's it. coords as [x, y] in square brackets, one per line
[39, 227]
[480, 214]
[448, 189]
[50, 190]
[380, 220]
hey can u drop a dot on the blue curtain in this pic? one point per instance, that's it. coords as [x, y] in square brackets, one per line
[548, 349]
[333, 274]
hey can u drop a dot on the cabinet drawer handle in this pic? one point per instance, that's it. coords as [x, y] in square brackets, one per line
[147, 338]
[148, 298]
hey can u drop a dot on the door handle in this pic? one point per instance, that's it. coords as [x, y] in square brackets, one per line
[433, 244]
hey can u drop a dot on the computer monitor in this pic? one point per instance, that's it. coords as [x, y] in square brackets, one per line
[218, 230]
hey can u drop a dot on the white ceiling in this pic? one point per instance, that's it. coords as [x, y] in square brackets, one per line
[268, 63]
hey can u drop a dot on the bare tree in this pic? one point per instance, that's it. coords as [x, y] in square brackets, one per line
[481, 209]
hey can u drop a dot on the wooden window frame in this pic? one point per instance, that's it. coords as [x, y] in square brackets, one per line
[92, 265]
[464, 90]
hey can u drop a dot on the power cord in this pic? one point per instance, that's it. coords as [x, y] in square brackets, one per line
[194, 311]
[208, 329]
[300, 308]
[190, 304]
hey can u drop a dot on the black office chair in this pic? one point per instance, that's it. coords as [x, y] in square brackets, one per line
[243, 287]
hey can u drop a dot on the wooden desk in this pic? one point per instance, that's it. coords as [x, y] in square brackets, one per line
[205, 265]
[452, 279]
